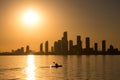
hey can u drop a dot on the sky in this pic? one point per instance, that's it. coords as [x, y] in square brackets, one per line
[97, 19]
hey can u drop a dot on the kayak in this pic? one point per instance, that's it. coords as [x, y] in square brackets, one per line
[51, 66]
[57, 66]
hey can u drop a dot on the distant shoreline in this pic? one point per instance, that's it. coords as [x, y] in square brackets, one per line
[37, 53]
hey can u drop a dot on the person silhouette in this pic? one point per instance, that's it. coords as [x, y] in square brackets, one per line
[56, 64]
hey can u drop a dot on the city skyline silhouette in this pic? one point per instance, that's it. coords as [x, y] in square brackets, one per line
[66, 47]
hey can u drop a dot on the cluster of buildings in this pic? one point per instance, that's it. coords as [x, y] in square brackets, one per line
[65, 46]
[22, 51]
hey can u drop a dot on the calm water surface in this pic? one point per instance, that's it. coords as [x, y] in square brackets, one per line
[74, 67]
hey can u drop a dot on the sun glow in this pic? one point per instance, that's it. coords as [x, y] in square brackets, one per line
[31, 17]
[30, 70]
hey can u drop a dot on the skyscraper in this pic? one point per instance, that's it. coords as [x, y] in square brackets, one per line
[52, 49]
[22, 49]
[79, 44]
[41, 48]
[70, 46]
[46, 47]
[27, 49]
[55, 47]
[59, 46]
[96, 47]
[65, 36]
[103, 46]
[65, 43]
[87, 43]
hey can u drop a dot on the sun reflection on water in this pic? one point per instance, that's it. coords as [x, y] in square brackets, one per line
[30, 70]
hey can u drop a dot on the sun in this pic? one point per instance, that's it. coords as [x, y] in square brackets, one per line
[30, 17]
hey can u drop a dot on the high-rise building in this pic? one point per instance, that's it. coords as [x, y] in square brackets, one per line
[27, 49]
[87, 43]
[59, 46]
[79, 44]
[22, 49]
[96, 47]
[111, 47]
[52, 49]
[103, 46]
[55, 47]
[65, 36]
[41, 48]
[70, 46]
[46, 47]
[65, 43]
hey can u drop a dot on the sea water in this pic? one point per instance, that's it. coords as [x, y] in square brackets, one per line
[75, 67]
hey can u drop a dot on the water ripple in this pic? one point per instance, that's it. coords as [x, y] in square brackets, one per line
[7, 69]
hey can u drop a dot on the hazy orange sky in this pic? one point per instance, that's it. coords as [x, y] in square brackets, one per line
[97, 19]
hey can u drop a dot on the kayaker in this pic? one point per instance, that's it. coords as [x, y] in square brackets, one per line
[56, 64]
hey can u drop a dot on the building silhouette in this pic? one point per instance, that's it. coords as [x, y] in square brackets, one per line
[41, 48]
[70, 46]
[22, 50]
[55, 47]
[103, 46]
[52, 49]
[59, 46]
[79, 44]
[46, 47]
[88, 50]
[112, 50]
[87, 43]
[27, 49]
[96, 47]
[65, 43]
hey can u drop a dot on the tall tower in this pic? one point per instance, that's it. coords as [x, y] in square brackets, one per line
[65, 43]
[96, 47]
[46, 47]
[79, 44]
[55, 47]
[41, 48]
[22, 49]
[87, 43]
[71, 46]
[65, 35]
[52, 49]
[59, 46]
[27, 49]
[103, 46]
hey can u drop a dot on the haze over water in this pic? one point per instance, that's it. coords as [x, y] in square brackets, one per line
[75, 67]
